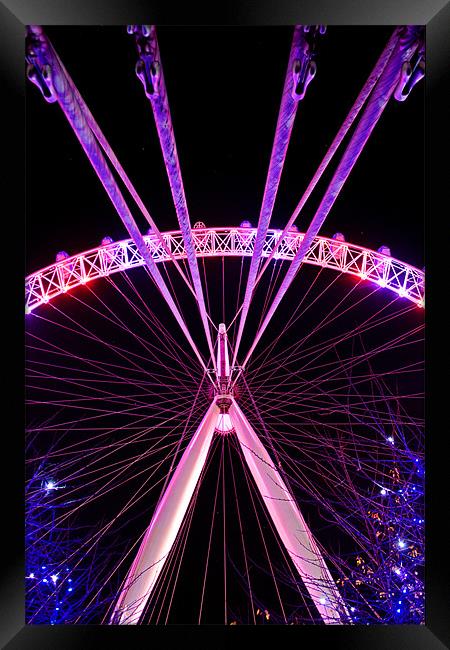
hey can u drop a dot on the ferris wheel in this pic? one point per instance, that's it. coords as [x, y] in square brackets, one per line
[231, 380]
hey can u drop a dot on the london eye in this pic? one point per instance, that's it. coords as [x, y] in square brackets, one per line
[225, 419]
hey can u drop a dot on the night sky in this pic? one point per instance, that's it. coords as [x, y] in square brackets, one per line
[224, 87]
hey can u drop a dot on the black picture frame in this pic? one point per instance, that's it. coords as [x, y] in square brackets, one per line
[14, 15]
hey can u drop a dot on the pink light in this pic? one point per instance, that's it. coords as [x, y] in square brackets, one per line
[224, 424]
[219, 244]
[289, 522]
[165, 525]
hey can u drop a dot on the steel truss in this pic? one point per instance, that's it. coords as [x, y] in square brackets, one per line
[397, 276]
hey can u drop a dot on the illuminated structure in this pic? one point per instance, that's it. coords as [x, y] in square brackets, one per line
[405, 280]
[224, 416]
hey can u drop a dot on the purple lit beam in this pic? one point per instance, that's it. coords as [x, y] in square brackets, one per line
[45, 57]
[285, 123]
[119, 169]
[289, 523]
[352, 115]
[151, 73]
[165, 525]
[384, 88]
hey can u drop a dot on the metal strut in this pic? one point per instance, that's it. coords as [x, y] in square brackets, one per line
[41, 55]
[382, 92]
[165, 525]
[149, 70]
[346, 125]
[121, 172]
[300, 71]
[290, 523]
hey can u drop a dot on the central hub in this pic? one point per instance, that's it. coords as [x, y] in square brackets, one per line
[224, 403]
[223, 391]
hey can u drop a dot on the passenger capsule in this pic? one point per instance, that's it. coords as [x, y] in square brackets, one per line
[61, 256]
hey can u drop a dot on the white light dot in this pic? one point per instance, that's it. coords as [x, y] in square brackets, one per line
[383, 492]
[323, 601]
[54, 578]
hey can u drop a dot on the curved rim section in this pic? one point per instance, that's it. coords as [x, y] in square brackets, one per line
[403, 279]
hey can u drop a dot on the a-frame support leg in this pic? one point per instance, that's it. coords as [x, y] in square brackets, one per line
[165, 525]
[289, 522]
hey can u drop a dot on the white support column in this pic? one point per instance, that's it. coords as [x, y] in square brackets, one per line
[165, 525]
[289, 522]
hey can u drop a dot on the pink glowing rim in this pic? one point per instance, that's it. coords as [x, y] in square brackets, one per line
[387, 272]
